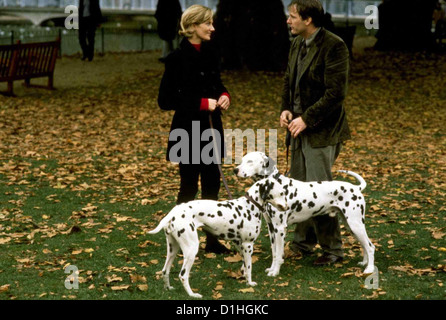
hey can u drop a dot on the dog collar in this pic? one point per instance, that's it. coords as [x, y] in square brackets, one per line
[250, 199]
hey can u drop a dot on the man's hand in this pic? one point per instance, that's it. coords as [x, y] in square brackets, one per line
[285, 118]
[297, 126]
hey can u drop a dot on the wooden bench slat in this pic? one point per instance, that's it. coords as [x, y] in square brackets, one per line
[26, 61]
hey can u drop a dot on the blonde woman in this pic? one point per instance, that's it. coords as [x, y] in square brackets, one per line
[191, 85]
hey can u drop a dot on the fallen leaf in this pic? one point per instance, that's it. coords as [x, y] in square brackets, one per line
[247, 290]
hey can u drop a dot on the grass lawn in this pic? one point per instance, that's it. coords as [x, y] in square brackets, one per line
[83, 177]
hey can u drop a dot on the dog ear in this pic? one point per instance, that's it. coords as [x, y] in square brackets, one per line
[268, 166]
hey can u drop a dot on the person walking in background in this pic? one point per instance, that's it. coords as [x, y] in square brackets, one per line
[315, 86]
[191, 85]
[90, 17]
[168, 15]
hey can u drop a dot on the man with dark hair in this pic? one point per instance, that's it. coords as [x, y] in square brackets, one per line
[315, 86]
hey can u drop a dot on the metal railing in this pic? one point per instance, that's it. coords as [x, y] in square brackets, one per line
[106, 40]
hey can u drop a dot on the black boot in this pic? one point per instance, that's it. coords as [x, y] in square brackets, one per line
[213, 245]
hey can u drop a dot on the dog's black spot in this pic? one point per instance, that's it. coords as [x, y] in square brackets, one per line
[180, 232]
[341, 198]
[192, 227]
[183, 272]
[231, 221]
[311, 186]
[347, 203]
[335, 193]
[311, 204]
[315, 213]
[296, 206]
[183, 216]
[314, 195]
[354, 197]
[201, 214]
[219, 213]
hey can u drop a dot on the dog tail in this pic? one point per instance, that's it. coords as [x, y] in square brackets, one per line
[362, 183]
[162, 223]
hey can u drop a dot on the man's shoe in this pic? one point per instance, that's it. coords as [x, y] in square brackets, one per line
[326, 259]
[298, 251]
[217, 248]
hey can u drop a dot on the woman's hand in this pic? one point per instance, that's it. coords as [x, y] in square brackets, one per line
[224, 102]
[212, 104]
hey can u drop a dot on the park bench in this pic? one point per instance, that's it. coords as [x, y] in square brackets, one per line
[29, 60]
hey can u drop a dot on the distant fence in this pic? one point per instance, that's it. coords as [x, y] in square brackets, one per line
[107, 39]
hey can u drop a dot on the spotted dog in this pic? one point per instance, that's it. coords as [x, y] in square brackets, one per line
[306, 200]
[238, 220]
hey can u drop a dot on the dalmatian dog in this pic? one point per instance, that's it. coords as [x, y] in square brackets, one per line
[306, 200]
[238, 220]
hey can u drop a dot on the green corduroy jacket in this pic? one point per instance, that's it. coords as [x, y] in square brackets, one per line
[322, 86]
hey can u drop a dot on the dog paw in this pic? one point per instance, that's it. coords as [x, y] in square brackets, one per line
[252, 283]
[196, 295]
[369, 270]
[169, 288]
[273, 273]
[362, 263]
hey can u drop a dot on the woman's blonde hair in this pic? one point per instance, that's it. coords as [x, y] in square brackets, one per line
[194, 15]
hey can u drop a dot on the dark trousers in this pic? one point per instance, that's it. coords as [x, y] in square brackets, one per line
[209, 176]
[210, 186]
[87, 32]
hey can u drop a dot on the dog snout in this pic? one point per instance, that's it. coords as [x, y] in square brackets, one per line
[236, 170]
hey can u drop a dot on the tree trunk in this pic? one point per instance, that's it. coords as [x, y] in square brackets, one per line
[252, 34]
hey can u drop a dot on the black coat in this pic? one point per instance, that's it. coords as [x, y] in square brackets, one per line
[168, 15]
[95, 11]
[189, 76]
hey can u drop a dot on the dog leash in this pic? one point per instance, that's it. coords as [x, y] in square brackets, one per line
[287, 143]
[218, 158]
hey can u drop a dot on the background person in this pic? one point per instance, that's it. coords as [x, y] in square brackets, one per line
[168, 15]
[191, 85]
[90, 17]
